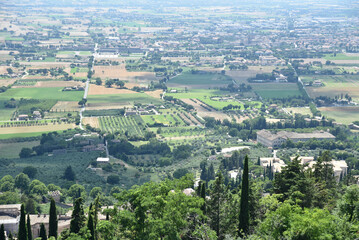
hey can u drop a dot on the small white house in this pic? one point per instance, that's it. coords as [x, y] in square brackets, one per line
[102, 160]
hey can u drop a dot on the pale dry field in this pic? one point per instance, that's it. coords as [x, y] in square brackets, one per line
[47, 84]
[155, 94]
[66, 105]
[121, 73]
[102, 90]
[107, 106]
[31, 129]
[92, 121]
[46, 64]
[6, 82]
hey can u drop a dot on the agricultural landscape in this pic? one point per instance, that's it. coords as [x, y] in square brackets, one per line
[99, 100]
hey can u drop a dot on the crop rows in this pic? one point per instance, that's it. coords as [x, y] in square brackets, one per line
[121, 124]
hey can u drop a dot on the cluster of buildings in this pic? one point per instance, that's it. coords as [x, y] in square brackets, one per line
[273, 140]
[10, 218]
[340, 167]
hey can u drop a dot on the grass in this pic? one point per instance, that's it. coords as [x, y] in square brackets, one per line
[130, 98]
[343, 115]
[21, 135]
[340, 56]
[300, 110]
[47, 59]
[276, 90]
[55, 93]
[205, 96]
[207, 79]
[12, 150]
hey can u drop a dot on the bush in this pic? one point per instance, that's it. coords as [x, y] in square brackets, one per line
[113, 179]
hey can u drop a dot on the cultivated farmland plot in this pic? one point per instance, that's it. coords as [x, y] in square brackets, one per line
[131, 125]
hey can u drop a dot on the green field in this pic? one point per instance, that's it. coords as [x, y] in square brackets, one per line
[205, 96]
[22, 135]
[55, 93]
[12, 150]
[124, 99]
[204, 79]
[340, 56]
[133, 126]
[343, 115]
[276, 90]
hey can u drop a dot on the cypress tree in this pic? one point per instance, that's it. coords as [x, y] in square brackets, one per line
[22, 234]
[10, 236]
[244, 204]
[28, 224]
[78, 217]
[43, 235]
[2, 232]
[53, 219]
[90, 226]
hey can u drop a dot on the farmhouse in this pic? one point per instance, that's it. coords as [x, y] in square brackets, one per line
[23, 117]
[10, 217]
[269, 139]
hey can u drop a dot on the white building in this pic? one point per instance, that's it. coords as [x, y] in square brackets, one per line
[269, 139]
[275, 163]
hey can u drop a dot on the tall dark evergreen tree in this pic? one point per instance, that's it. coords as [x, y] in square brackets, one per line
[78, 217]
[211, 173]
[43, 234]
[10, 236]
[53, 219]
[69, 174]
[90, 226]
[2, 232]
[244, 204]
[28, 225]
[22, 233]
[216, 206]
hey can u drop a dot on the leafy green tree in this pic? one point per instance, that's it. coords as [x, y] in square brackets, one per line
[22, 182]
[244, 204]
[95, 192]
[151, 211]
[37, 187]
[22, 233]
[28, 225]
[53, 219]
[43, 234]
[293, 222]
[78, 216]
[180, 172]
[2, 232]
[76, 191]
[349, 204]
[25, 153]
